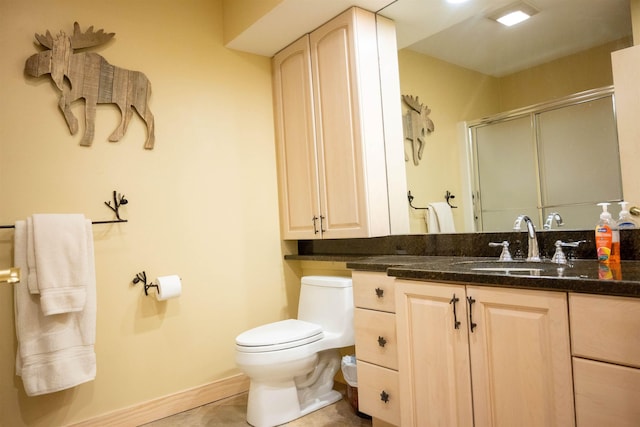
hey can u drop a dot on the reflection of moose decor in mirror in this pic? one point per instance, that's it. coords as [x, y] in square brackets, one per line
[91, 77]
[417, 125]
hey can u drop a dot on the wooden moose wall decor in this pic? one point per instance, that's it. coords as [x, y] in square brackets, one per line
[89, 76]
[417, 125]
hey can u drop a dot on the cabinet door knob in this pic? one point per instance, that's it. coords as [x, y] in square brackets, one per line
[379, 292]
[384, 396]
[381, 341]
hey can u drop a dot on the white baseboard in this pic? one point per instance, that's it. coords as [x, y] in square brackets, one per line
[169, 405]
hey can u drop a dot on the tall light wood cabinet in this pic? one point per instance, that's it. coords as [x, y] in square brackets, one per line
[329, 132]
[507, 362]
[295, 135]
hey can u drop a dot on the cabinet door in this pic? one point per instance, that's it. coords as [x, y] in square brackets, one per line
[295, 142]
[435, 381]
[520, 358]
[349, 130]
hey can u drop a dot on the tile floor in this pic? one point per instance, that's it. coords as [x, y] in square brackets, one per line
[232, 412]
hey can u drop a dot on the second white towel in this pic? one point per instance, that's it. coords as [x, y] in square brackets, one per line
[61, 262]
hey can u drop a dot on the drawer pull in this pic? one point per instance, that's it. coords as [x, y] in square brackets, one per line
[472, 324]
[381, 341]
[379, 292]
[384, 396]
[456, 322]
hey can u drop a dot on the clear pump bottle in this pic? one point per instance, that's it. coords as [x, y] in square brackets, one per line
[625, 220]
[607, 237]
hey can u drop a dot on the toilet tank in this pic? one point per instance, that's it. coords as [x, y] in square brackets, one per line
[328, 302]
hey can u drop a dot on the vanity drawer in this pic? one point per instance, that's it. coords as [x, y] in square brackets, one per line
[606, 394]
[376, 337]
[375, 385]
[373, 290]
[605, 328]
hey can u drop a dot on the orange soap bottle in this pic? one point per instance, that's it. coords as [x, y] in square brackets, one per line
[607, 237]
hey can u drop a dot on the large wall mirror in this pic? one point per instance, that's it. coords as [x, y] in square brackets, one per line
[465, 67]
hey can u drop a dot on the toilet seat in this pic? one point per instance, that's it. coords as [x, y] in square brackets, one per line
[279, 336]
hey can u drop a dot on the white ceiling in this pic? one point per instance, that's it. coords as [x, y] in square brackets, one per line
[290, 20]
[460, 34]
[463, 35]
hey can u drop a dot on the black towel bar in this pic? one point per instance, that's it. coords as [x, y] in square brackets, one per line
[118, 200]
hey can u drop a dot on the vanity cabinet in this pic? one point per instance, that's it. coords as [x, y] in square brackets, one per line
[376, 346]
[330, 136]
[483, 356]
[605, 340]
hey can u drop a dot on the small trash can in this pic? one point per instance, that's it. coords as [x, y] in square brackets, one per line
[350, 375]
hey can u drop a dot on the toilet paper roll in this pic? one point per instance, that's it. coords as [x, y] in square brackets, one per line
[168, 287]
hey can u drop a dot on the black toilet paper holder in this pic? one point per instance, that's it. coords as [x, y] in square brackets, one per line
[142, 277]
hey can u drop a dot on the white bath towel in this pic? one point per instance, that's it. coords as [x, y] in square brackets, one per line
[32, 277]
[55, 352]
[60, 248]
[440, 218]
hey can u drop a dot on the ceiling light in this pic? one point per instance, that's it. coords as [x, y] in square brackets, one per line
[456, 1]
[513, 18]
[513, 13]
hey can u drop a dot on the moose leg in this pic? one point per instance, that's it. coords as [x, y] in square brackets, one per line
[151, 136]
[90, 118]
[71, 120]
[125, 116]
[416, 130]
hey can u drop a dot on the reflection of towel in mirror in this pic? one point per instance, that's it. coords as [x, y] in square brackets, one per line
[440, 218]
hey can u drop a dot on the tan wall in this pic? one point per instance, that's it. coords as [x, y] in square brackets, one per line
[565, 76]
[202, 204]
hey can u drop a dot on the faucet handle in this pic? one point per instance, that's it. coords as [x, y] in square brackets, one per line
[559, 256]
[505, 255]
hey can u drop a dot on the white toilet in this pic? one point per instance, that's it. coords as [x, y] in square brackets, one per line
[291, 363]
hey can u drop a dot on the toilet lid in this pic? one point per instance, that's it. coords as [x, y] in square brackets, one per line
[279, 336]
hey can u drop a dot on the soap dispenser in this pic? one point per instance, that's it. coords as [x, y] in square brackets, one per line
[607, 237]
[625, 220]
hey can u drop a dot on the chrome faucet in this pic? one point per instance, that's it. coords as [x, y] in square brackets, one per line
[533, 254]
[550, 218]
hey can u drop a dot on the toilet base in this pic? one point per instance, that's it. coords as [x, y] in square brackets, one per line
[270, 406]
[276, 402]
[329, 398]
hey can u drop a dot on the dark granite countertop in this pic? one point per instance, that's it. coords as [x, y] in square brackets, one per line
[586, 276]
[447, 257]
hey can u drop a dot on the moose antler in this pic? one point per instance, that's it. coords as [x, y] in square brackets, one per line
[79, 39]
[89, 38]
[412, 102]
[45, 40]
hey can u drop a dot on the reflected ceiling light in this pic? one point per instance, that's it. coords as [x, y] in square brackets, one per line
[514, 13]
[457, 1]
